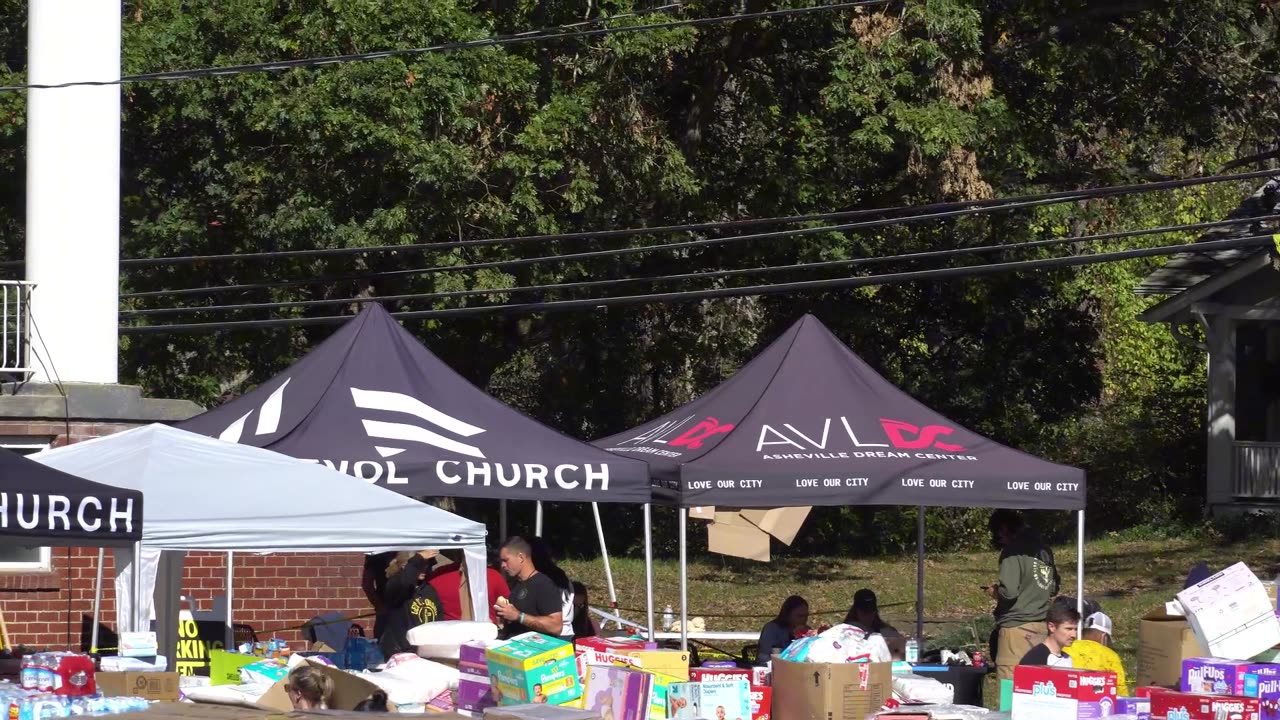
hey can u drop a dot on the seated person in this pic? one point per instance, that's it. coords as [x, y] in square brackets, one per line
[865, 614]
[308, 688]
[1062, 623]
[1093, 651]
[777, 634]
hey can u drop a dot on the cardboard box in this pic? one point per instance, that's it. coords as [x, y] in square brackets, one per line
[732, 535]
[534, 668]
[705, 512]
[761, 702]
[161, 686]
[224, 667]
[1231, 615]
[668, 662]
[1164, 641]
[607, 651]
[1137, 706]
[1170, 705]
[659, 696]
[348, 690]
[724, 700]
[618, 693]
[471, 659]
[819, 691]
[1046, 693]
[1224, 677]
[474, 694]
[705, 674]
[782, 523]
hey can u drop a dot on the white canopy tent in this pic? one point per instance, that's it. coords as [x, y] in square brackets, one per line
[204, 494]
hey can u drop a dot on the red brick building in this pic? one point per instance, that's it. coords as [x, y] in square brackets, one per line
[46, 594]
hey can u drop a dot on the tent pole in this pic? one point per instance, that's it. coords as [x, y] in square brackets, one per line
[684, 579]
[229, 643]
[648, 563]
[97, 602]
[138, 621]
[537, 520]
[1080, 563]
[919, 574]
[604, 553]
[502, 521]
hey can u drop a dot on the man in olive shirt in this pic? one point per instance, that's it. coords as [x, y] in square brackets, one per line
[1028, 581]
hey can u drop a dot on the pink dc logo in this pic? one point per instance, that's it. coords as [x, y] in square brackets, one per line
[905, 436]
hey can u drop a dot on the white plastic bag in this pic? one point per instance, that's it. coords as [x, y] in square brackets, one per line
[920, 689]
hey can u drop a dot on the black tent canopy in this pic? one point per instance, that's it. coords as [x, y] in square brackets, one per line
[43, 506]
[374, 402]
[808, 422]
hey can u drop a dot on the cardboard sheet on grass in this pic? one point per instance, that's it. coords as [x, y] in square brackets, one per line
[348, 691]
[821, 691]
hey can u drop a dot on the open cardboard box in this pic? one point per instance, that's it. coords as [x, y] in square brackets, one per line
[348, 690]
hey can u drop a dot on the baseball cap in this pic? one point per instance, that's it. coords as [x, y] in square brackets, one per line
[1098, 621]
[864, 599]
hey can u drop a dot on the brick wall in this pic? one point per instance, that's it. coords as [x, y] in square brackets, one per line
[46, 610]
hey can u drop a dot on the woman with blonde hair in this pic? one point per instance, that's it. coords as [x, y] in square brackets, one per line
[308, 688]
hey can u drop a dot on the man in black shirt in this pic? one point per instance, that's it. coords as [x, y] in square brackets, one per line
[536, 603]
[1063, 624]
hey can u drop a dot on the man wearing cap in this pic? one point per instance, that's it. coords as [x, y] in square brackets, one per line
[1093, 651]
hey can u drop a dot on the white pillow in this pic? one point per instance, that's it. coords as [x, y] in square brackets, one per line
[416, 681]
[452, 632]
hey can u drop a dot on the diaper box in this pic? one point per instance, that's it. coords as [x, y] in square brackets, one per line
[722, 700]
[474, 693]
[1170, 705]
[618, 693]
[1139, 707]
[533, 668]
[607, 651]
[668, 662]
[658, 696]
[1224, 677]
[1047, 693]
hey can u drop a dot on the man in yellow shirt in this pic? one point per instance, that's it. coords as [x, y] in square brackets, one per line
[1093, 650]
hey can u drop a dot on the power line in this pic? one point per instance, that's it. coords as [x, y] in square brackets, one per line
[551, 33]
[642, 249]
[1255, 241]
[1061, 196]
[706, 275]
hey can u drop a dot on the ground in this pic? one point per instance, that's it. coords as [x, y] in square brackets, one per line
[1128, 578]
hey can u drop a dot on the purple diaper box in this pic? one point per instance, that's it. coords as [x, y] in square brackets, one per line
[474, 694]
[1226, 677]
[471, 660]
[1136, 706]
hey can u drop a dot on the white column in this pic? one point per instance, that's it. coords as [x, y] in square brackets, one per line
[73, 188]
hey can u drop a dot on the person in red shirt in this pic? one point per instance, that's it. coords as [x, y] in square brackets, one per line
[447, 581]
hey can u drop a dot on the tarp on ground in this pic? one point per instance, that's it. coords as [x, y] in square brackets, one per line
[40, 505]
[808, 422]
[374, 402]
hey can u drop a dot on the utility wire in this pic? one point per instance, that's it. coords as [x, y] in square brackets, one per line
[551, 33]
[706, 275]
[642, 249]
[1255, 241]
[1000, 203]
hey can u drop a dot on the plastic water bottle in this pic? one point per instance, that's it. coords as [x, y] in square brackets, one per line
[913, 650]
[353, 657]
[668, 618]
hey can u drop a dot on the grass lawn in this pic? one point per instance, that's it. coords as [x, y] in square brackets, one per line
[1127, 578]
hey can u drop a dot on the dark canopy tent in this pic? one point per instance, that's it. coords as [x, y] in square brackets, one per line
[372, 401]
[43, 506]
[807, 422]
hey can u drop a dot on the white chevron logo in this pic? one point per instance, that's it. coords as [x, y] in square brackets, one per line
[404, 432]
[268, 417]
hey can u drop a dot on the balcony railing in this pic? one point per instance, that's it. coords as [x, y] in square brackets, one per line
[1256, 470]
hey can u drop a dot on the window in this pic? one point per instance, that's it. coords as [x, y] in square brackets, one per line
[25, 558]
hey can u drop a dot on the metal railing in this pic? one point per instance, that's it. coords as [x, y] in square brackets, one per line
[1256, 470]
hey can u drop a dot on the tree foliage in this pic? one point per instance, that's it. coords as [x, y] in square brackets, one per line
[913, 102]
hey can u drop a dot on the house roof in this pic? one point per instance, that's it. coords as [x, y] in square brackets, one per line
[1187, 270]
